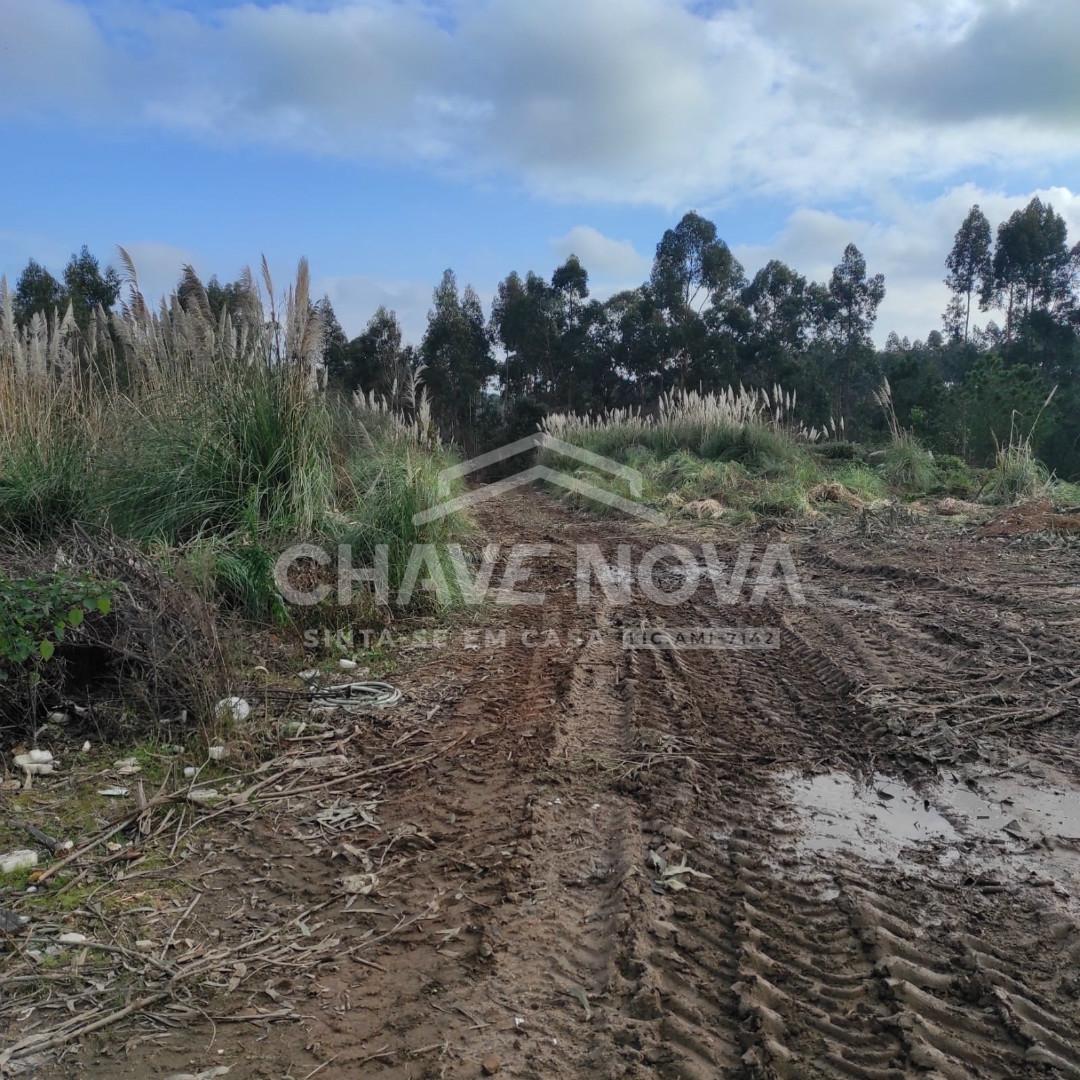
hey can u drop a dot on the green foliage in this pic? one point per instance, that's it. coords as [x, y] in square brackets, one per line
[954, 476]
[1016, 475]
[970, 267]
[253, 451]
[908, 465]
[207, 438]
[780, 498]
[838, 450]
[861, 480]
[994, 397]
[393, 483]
[37, 613]
[1065, 494]
[37, 292]
[43, 482]
[456, 352]
[88, 287]
[237, 572]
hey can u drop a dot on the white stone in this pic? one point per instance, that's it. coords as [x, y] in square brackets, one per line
[20, 859]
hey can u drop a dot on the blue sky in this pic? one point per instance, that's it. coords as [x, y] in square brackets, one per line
[387, 140]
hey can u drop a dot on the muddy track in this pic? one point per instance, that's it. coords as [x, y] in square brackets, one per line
[609, 874]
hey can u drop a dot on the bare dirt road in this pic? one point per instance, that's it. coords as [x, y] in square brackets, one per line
[853, 855]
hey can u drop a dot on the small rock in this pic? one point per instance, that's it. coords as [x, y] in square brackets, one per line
[490, 1066]
[345, 664]
[308, 676]
[72, 939]
[189, 771]
[11, 922]
[216, 753]
[86, 747]
[21, 859]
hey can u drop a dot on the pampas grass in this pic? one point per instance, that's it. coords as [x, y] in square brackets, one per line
[185, 430]
[1017, 474]
[756, 427]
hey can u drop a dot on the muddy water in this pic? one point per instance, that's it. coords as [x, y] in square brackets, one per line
[875, 820]
[1007, 829]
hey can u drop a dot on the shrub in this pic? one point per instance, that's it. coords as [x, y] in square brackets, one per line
[908, 465]
[250, 451]
[235, 572]
[783, 498]
[862, 481]
[146, 645]
[954, 476]
[1015, 475]
[838, 450]
[36, 614]
[752, 426]
[43, 485]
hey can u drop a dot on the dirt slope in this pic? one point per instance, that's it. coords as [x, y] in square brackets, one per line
[689, 863]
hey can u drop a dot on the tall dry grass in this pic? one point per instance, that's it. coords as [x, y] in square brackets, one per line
[202, 435]
[1017, 474]
[756, 427]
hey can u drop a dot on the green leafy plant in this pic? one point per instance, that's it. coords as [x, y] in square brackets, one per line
[37, 613]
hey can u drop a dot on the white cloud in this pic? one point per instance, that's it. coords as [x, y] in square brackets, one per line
[908, 244]
[610, 100]
[604, 258]
[52, 56]
[158, 266]
[356, 296]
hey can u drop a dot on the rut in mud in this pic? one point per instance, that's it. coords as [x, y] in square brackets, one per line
[699, 863]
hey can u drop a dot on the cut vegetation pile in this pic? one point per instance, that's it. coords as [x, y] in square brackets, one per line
[128, 649]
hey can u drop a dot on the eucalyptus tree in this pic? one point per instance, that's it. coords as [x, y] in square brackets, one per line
[970, 266]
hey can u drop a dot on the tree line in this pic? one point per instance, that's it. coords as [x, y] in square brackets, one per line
[700, 322]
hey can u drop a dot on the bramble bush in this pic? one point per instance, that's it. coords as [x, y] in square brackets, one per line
[37, 613]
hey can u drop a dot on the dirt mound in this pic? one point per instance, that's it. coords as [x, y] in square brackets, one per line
[1030, 518]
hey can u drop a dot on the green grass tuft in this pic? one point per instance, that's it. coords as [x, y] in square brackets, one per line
[908, 465]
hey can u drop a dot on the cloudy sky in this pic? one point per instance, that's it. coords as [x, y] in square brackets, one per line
[389, 139]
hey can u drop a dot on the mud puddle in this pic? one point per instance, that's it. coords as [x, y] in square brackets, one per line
[1023, 826]
[1005, 829]
[875, 820]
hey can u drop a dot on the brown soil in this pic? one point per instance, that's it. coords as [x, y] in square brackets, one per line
[1030, 518]
[598, 868]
